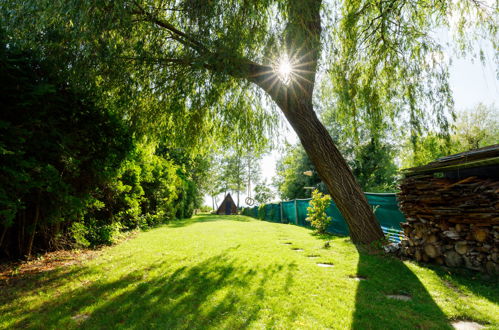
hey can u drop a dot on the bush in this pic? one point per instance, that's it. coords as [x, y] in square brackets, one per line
[317, 211]
[205, 209]
[246, 211]
[261, 212]
[79, 234]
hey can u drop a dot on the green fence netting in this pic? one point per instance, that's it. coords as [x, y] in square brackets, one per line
[302, 205]
[288, 212]
[295, 212]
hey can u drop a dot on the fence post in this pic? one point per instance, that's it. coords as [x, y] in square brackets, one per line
[296, 213]
[280, 205]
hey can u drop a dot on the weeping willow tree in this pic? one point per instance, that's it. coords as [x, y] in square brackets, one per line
[200, 68]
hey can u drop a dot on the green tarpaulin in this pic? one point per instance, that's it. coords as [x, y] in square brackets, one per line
[295, 212]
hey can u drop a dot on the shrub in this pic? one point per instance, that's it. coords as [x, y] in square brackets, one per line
[261, 212]
[317, 211]
[205, 209]
[79, 234]
[246, 211]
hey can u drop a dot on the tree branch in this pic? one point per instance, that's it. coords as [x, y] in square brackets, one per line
[176, 34]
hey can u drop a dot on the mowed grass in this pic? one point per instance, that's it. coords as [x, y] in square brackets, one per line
[235, 272]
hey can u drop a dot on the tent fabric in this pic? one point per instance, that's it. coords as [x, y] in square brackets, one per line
[228, 206]
[295, 212]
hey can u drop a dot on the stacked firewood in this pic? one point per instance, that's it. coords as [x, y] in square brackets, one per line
[451, 221]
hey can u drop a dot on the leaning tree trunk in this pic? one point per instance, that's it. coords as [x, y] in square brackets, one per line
[335, 173]
[294, 98]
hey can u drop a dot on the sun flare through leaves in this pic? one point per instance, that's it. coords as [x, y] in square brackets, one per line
[284, 69]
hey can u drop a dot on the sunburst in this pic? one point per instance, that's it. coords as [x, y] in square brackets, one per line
[284, 69]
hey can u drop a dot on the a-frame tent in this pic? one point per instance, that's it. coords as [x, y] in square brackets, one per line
[228, 206]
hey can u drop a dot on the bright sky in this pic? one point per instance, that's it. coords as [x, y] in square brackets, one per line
[472, 82]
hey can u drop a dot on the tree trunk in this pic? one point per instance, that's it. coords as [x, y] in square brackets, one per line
[35, 222]
[294, 98]
[3, 234]
[335, 173]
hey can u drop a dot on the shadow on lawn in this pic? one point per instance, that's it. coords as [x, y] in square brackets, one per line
[480, 284]
[390, 276]
[31, 284]
[206, 218]
[199, 296]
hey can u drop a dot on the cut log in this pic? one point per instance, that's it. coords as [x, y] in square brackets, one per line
[451, 234]
[432, 250]
[432, 238]
[480, 234]
[418, 255]
[461, 247]
[453, 259]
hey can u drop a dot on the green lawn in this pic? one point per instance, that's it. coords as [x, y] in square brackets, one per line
[236, 272]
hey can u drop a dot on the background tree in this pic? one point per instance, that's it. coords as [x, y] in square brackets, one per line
[473, 128]
[214, 181]
[199, 55]
[263, 193]
[290, 180]
[237, 167]
[476, 128]
[369, 150]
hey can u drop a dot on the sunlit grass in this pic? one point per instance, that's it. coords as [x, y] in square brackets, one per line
[236, 272]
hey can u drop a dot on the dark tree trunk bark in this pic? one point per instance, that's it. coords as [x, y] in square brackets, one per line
[35, 223]
[3, 235]
[335, 173]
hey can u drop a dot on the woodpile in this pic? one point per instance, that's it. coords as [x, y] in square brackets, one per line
[452, 219]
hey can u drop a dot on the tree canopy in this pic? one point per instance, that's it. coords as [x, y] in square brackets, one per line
[173, 63]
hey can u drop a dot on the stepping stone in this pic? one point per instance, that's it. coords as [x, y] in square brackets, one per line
[287, 243]
[402, 297]
[80, 317]
[466, 325]
[357, 277]
[297, 249]
[325, 265]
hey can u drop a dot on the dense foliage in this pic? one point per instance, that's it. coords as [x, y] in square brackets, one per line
[372, 163]
[70, 170]
[290, 180]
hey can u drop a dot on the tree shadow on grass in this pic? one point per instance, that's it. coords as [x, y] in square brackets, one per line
[480, 284]
[31, 284]
[390, 276]
[207, 218]
[326, 236]
[217, 292]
